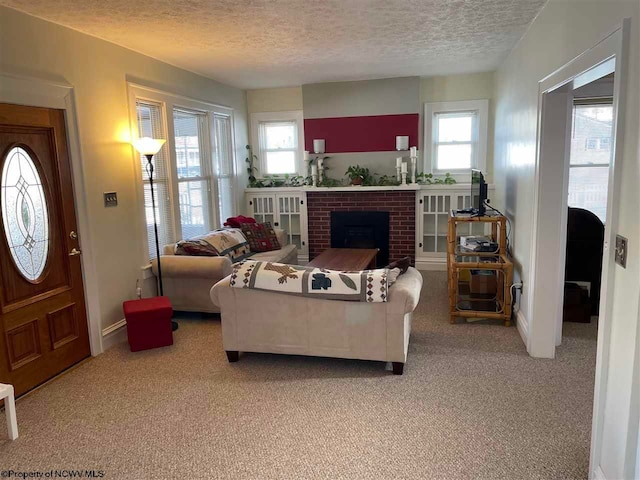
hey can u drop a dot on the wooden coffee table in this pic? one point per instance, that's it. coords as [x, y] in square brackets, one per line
[346, 259]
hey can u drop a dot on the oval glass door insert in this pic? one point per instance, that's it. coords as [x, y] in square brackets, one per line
[24, 213]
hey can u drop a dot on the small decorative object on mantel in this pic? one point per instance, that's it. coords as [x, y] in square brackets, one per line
[398, 167]
[414, 161]
[403, 171]
[307, 162]
[314, 175]
[402, 143]
[357, 174]
[318, 145]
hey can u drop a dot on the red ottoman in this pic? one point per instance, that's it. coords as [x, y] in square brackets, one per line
[148, 323]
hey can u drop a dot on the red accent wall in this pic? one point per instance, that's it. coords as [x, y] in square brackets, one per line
[375, 133]
[402, 218]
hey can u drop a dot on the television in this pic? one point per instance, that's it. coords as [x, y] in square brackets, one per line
[478, 192]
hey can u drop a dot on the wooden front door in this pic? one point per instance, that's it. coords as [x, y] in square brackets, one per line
[43, 326]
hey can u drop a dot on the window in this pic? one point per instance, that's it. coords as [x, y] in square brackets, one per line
[194, 172]
[151, 124]
[590, 156]
[223, 163]
[456, 136]
[193, 165]
[279, 138]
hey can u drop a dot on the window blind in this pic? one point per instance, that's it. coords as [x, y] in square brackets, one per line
[223, 164]
[151, 124]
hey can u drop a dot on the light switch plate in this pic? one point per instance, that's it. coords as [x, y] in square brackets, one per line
[621, 251]
[110, 199]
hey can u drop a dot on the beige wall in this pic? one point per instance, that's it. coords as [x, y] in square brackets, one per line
[99, 71]
[452, 88]
[560, 33]
[274, 100]
[386, 96]
[372, 97]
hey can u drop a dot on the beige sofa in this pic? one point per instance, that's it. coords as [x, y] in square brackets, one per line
[260, 321]
[187, 280]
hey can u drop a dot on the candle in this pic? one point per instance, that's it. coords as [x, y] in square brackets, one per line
[318, 146]
[306, 155]
[320, 163]
[314, 170]
[414, 151]
[398, 162]
[404, 167]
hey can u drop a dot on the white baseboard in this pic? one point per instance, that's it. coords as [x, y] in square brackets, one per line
[523, 327]
[433, 264]
[114, 334]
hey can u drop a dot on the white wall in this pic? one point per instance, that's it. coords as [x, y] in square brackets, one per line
[563, 30]
[99, 71]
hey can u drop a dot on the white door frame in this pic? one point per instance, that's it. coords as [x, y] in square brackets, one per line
[34, 92]
[549, 224]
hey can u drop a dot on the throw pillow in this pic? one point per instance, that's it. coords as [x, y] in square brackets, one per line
[235, 222]
[196, 247]
[229, 242]
[403, 264]
[261, 236]
[394, 273]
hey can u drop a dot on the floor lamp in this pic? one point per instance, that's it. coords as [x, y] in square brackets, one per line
[149, 147]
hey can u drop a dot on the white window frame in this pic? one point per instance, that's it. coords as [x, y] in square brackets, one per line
[479, 135]
[169, 101]
[263, 117]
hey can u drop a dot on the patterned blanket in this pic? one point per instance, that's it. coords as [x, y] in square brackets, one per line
[362, 286]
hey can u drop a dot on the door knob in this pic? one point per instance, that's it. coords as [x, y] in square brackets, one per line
[74, 252]
[73, 235]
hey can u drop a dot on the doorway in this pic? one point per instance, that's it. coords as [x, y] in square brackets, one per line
[589, 160]
[555, 107]
[43, 319]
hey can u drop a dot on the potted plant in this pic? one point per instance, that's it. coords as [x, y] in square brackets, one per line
[357, 174]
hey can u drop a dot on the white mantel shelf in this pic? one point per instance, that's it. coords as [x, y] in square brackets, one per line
[350, 188]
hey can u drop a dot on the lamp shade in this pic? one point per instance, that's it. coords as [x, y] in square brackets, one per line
[148, 146]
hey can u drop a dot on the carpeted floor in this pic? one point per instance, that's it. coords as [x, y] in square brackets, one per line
[471, 404]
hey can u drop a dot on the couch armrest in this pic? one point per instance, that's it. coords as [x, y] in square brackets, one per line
[183, 266]
[218, 289]
[404, 294]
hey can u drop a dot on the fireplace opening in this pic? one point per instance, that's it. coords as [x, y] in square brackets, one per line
[362, 230]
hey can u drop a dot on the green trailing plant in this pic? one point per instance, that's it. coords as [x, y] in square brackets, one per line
[251, 168]
[382, 181]
[357, 174]
[330, 182]
[429, 179]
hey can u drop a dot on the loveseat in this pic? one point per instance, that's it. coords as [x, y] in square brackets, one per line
[187, 280]
[270, 322]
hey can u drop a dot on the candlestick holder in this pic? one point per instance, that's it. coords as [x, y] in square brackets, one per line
[404, 179]
[414, 161]
[398, 177]
[314, 180]
[320, 174]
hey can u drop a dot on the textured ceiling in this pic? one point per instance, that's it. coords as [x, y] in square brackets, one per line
[267, 43]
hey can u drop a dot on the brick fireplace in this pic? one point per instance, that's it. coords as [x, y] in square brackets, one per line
[400, 205]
